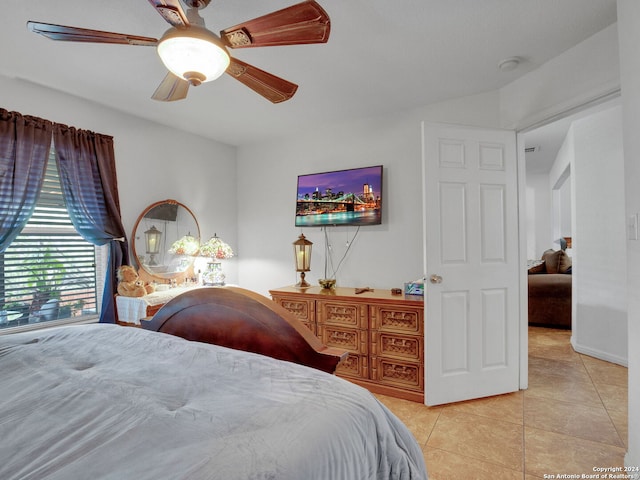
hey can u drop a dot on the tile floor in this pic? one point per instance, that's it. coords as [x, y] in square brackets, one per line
[572, 418]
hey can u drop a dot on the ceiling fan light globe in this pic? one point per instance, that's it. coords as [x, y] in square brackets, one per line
[193, 54]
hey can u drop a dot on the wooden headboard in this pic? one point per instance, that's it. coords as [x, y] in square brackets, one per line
[244, 320]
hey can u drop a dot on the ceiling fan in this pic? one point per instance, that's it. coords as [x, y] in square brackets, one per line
[194, 55]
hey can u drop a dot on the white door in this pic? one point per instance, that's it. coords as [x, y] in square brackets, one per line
[471, 255]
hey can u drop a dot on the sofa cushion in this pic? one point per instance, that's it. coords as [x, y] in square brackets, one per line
[565, 263]
[538, 268]
[556, 261]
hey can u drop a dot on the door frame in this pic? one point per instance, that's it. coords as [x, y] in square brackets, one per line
[522, 249]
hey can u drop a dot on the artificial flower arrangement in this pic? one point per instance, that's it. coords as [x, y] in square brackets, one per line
[216, 248]
[186, 245]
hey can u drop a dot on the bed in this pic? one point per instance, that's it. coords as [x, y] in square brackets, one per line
[111, 402]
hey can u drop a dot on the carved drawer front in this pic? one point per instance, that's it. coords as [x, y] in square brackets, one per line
[342, 313]
[302, 309]
[353, 366]
[397, 319]
[351, 339]
[397, 346]
[399, 374]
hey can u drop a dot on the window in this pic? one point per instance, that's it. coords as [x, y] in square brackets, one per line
[50, 273]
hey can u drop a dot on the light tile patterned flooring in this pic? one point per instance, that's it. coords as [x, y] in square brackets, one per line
[572, 418]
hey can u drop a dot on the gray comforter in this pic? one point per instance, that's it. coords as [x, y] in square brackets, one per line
[109, 402]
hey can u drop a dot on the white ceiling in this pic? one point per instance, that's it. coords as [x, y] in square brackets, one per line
[548, 139]
[382, 56]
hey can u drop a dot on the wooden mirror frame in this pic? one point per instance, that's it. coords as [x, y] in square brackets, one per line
[137, 238]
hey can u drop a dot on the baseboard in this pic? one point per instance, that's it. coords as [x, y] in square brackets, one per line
[592, 352]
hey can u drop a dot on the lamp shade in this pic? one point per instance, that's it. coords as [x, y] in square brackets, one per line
[194, 54]
[152, 240]
[302, 253]
[216, 248]
[187, 245]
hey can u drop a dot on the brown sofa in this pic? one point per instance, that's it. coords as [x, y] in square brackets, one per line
[550, 291]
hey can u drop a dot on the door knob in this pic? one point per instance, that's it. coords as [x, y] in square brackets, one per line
[435, 278]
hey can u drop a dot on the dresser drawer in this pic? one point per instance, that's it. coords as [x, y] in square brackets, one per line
[397, 346]
[397, 319]
[342, 313]
[396, 373]
[302, 309]
[354, 366]
[352, 339]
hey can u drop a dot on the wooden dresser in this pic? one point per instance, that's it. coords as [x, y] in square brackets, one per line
[383, 333]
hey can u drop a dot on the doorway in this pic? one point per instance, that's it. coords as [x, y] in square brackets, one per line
[575, 188]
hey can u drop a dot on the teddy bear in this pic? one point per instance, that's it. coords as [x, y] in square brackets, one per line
[129, 285]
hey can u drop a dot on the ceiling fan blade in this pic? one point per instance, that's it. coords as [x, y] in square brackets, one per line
[75, 34]
[171, 11]
[171, 88]
[299, 24]
[274, 89]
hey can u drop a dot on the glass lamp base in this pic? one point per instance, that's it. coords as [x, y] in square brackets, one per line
[214, 275]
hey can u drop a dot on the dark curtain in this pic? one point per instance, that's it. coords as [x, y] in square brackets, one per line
[24, 149]
[87, 168]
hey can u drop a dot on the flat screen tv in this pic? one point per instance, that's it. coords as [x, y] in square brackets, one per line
[341, 197]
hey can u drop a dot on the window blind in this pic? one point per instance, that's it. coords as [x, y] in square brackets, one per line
[49, 270]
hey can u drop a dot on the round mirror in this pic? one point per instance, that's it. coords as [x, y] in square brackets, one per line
[165, 239]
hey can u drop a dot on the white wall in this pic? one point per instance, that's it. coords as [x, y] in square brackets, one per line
[629, 37]
[538, 215]
[599, 231]
[548, 213]
[560, 184]
[153, 162]
[563, 208]
[381, 257]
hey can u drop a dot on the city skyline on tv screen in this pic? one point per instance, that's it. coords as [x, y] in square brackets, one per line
[342, 197]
